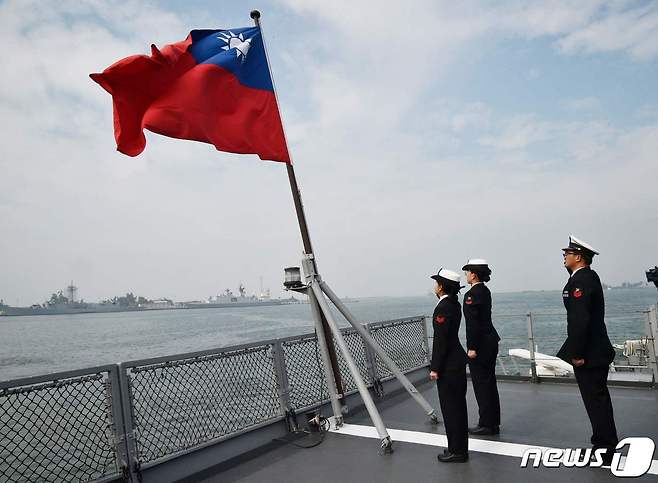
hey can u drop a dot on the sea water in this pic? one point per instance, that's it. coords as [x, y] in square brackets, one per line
[35, 345]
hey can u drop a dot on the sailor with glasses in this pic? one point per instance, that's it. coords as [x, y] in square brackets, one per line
[588, 347]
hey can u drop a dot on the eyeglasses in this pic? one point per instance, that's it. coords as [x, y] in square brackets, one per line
[570, 253]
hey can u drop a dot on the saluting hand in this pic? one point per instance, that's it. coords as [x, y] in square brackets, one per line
[471, 354]
[434, 375]
[577, 362]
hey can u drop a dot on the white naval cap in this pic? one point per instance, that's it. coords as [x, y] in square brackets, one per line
[473, 262]
[446, 274]
[580, 246]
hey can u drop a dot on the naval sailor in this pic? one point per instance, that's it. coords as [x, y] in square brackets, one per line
[482, 346]
[448, 365]
[587, 346]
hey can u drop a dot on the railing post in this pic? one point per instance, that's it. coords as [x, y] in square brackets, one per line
[134, 470]
[652, 350]
[115, 412]
[498, 359]
[282, 385]
[426, 341]
[516, 366]
[371, 365]
[531, 343]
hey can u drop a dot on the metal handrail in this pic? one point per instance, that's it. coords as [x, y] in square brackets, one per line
[191, 389]
[144, 401]
[56, 376]
[44, 415]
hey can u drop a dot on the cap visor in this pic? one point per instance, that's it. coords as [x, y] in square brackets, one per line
[471, 265]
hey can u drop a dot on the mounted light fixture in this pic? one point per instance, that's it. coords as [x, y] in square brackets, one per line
[293, 277]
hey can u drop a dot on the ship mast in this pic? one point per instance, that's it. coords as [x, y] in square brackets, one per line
[71, 292]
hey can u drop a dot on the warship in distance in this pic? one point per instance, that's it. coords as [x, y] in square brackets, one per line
[254, 413]
[247, 413]
[60, 304]
[229, 299]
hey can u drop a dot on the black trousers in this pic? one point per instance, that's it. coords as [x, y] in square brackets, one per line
[452, 396]
[483, 376]
[593, 385]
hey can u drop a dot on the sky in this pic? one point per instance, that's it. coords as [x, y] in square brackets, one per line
[423, 133]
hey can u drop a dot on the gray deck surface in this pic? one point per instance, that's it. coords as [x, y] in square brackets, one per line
[536, 414]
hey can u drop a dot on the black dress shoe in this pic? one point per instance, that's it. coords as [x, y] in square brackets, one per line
[606, 457]
[448, 457]
[484, 431]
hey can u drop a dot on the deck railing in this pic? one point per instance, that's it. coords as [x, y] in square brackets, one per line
[543, 341]
[108, 423]
[62, 427]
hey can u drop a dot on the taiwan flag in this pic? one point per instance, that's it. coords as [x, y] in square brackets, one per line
[214, 87]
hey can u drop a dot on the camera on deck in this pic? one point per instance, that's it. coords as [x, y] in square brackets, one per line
[652, 275]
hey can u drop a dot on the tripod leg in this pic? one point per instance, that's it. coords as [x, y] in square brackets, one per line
[328, 374]
[360, 384]
[411, 389]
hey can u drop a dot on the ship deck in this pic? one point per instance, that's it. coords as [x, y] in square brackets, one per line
[546, 415]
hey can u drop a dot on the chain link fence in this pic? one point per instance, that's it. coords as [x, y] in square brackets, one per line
[182, 403]
[72, 428]
[82, 425]
[178, 404]
[306, 378]
[59, 430]
[404, 341]
[356, 346]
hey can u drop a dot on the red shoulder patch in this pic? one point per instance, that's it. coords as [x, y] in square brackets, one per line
[468, 301]
[577, 293]
[440, 319]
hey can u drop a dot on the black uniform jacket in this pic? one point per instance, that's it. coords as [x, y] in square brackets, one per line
[587, 337]
[447, 352]
[481, 335]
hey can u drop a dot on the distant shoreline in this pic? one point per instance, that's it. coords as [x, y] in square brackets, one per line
[8, 311]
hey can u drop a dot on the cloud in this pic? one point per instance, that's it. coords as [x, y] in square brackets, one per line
[588, 26]
[647, 111]
[475, 115]
[634, 30]
[77, 209]
[519, 132]
[582, 104]
[537, 19]
[401, 169]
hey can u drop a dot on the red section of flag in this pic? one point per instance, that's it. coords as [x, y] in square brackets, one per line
[169, 93]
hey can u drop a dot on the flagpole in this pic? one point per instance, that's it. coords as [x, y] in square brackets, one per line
[299, 207]
[303, 228]
[325, 320]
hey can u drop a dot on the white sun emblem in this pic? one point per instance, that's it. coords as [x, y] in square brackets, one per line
[236, 42]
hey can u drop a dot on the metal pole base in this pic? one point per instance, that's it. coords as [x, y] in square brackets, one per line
[386, 445]
[368, 339]
[336, 405]
[351, 364]
[338, 422]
